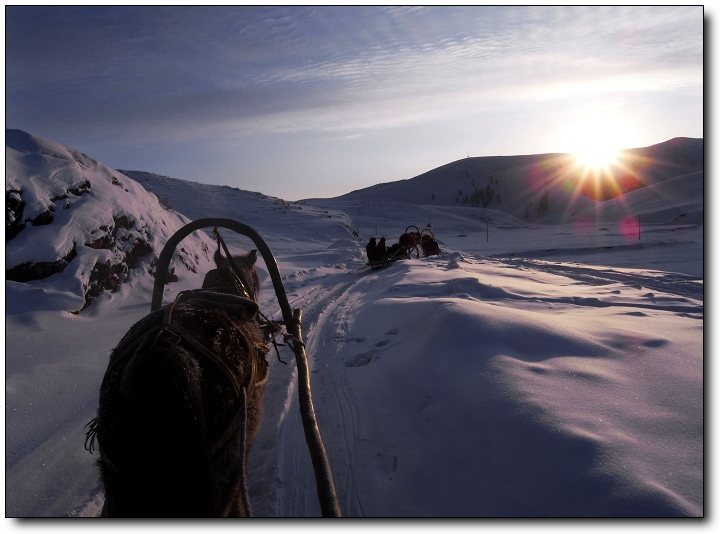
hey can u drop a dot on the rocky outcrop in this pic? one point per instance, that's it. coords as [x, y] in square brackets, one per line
[69, 216]
[25, 272]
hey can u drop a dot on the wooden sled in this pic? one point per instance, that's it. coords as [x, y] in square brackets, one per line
[401, 254]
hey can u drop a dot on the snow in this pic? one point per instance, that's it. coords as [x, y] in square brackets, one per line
[531, 370]
[93, 211]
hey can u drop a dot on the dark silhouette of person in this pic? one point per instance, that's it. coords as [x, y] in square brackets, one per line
[382, 249]
[371, 250]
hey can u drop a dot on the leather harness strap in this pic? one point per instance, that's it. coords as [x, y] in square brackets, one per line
[235, 268]
[152, 335]
[242, 394]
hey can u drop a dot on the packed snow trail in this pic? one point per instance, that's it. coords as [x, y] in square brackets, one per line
[335, 407]
[279, 435]
[282, 448]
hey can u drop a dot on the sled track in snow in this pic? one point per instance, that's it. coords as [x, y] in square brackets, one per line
[325, 304]
[328, 339]
[346, 404]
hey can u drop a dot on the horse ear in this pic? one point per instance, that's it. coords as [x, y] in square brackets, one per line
[252, 257]
[218, 258]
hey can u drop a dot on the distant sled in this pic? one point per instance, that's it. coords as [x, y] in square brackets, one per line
[409, 241]
[401, 254]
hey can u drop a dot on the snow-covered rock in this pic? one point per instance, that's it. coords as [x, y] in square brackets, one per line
[78, 225]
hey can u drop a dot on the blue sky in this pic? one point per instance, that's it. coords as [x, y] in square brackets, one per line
[301, 102]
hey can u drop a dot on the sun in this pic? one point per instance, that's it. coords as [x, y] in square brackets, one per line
[594, 142]
[596, 155]
[598, 162]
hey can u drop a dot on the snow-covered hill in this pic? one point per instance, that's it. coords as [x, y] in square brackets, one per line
[515, 185]
[530, 370]
[274, 218]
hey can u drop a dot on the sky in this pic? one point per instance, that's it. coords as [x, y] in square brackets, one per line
[301, 102]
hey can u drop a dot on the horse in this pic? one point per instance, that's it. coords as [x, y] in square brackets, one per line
[181, 402]
[410, 240]
[429, 245]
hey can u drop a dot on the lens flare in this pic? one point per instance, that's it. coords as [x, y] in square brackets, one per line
[630, 228]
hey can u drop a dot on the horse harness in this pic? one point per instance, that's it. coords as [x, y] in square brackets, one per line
[240, 308]
[220, 299]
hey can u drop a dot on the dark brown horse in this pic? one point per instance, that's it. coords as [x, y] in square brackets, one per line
[181, 402]
[410, 240]
[429, 245]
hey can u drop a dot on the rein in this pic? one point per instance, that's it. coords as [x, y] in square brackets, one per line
[233, 265]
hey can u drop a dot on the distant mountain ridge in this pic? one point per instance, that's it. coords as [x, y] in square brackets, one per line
[539, 187]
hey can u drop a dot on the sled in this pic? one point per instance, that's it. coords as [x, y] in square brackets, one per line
[401, 254]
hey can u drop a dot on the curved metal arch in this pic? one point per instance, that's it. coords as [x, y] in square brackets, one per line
[407, 230]
[325, 487]
[240, 228]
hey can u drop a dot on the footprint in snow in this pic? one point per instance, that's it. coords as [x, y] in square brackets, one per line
[360, 360]
[387, 461]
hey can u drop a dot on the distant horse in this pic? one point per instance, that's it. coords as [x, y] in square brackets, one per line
[429, 245]
[181, 402]
[410, 240]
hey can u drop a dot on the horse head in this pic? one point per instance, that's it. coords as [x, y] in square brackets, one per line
[235, 275]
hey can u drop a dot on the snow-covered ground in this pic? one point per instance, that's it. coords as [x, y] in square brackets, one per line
[529, 370]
